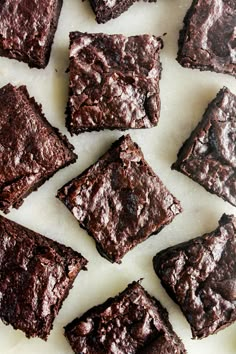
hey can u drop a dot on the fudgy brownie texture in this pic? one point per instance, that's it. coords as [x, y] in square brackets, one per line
[114, 82]
[207, 40]
[208, 156]
[31, 150]
[36, 275]
[106, 10]
[119, 200]
[27, 29]
[200, 276]
[132, 322]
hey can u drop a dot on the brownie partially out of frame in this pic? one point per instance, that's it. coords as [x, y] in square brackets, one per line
[119, 200]
[31, 150]
[36, 275]
[106, 10]
[207, 40]
[200, 276]
[114, 82]
[208, 156]
[132, 322]
[27, 29]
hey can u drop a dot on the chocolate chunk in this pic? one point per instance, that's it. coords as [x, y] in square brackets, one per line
[200, 276]
[36, 275]
[208, 156]
[114, 82]
[207, 41]
[132, 322]
[119, 200]
[31, 150]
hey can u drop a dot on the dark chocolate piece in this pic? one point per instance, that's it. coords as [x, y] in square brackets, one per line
[119, 200]
[36, 275]
[106, 10]
[200, 276]
[208, 156]
[31, 150]
[27, 29]
[132, 322]
[207, 40]
[114, 82]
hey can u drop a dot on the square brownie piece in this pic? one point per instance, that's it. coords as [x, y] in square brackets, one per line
[200, 276]
[31, 150]
[114, 82]
[36, 275]
[132, 322]
[119, 200]
[27, 29]
[208, 156]
[207, 40]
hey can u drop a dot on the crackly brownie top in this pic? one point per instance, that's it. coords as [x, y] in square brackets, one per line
[119, 200]
[208, 40]
[114, 81]
[200, 275]
[31, 150]
[36, 274]
[25, 26]
[209, 155]
[132, 322]
[108, 9]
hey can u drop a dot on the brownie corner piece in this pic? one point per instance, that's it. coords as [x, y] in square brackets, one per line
[200, 276]
[36, 274]
[113, 82]
[131, 322]
[119, 200]
[207, 40]
[31, 150]
[27, 30]
[208, 156]
[107, 10]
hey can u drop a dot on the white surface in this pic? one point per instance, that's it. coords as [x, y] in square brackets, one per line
[185, 94]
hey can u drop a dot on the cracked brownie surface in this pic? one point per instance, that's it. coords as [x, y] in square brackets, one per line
[119, 200]
[31, 150]
[114, 82]
[200, 276]
[208, 156]
[208, 38]
[132, 322]
[27, 29]
[36, 275]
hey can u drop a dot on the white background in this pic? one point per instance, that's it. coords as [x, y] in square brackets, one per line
[185, 94]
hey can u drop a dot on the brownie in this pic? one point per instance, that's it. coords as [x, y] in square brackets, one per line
[207, 40]
[119, 200]
[200, 276]
[132, 322]
[27, 29]
[208, 156]
[114, 82]
[36, 275]
[31, 150]
[107, 10]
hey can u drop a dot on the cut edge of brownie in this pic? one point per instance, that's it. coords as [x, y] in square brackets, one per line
[62, 196]
[37, 109]
[187, 144]
[225, 219]
[134, 286]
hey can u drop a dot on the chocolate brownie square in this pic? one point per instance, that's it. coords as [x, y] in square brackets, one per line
[36, 275]
[132, 322]
[114, 82]
[27, 29]
[200, 276]
[31, 150]
[119, 200]
[207, 40]
[208, 156]
[106, 10]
